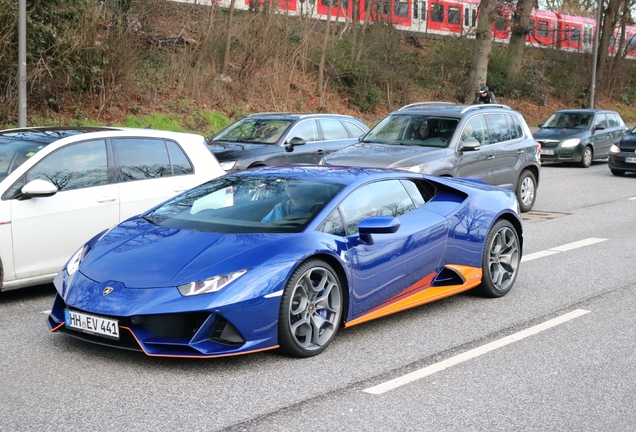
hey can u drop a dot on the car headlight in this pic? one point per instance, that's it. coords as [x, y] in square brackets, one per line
[228, 165]
[615, 149]
[75, 261]
[210, 285]
[572, 142]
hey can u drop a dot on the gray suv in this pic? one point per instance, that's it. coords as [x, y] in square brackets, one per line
[487, 142]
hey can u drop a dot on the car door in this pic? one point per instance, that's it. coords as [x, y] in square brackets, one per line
[601, 139]
[397, 262]
[314, 148]
[150, 170]
[48, 230]
[479, 164]
[510, 152]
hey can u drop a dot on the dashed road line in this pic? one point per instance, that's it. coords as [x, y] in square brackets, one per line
[460, 358]
[563, 248]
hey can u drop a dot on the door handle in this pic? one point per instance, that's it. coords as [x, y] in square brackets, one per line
[491, 157]
[107, 198]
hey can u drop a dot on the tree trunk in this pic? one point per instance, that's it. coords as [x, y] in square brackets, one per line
[228, 37]
[483, 40]
[365, 23]
[354, 26]
[609, 24]
[323, 54]
[519, 29]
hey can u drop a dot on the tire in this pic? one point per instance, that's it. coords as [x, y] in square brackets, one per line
[500, 263]
[618, 173]
[526, 191]
[311, 309]
[586, 159]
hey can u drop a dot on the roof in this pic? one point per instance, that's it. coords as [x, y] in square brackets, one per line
[298, 115]
[448, 108]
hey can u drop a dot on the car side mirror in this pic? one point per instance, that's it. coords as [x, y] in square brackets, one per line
[295, 141]
[37, 189]
[599, 127]
[377, 225]
[540, 124]
[470, 144]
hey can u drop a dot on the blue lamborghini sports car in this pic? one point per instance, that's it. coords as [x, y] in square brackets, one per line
[282, 257]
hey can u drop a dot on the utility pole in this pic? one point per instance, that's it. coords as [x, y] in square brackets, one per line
[22, 63]
[599, 17]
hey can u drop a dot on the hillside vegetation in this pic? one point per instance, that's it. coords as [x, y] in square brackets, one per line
[158, 63]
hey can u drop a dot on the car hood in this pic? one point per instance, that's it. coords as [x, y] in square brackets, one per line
[559, 134]
[142, 255]
[628, 141]
[227, 150]
[383, 155]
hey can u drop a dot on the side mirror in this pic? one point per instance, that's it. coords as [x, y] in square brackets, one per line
[37, 189]
[295, 141]
[377, 225]
[599, 127]
[540, 124]
[471, 144]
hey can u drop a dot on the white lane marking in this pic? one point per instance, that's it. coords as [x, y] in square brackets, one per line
[563, 248]
[632, 198]
[460, 358]
[46, 312]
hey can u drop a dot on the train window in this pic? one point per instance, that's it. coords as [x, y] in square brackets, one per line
[454, 15]
[576, 34]
[417, 7]
[401, 8]
[437, 12]
[466, 17]
[383, 7]
[474, 18]
[631, 45]
[553, 27]
[543, 28]
[501, 23]
[531, 26]
[586, 36]
[566, 32]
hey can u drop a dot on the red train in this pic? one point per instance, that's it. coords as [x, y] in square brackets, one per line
[457, 17]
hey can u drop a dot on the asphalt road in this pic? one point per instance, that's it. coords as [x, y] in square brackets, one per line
[555, 354]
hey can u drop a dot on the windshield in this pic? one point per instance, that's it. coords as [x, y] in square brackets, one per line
[416, 130]
[14, 151]
[254, 130]
[565, 120]
[246, 204]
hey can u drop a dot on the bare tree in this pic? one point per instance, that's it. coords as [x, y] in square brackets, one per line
[610, 18]
[483, 36]
[228, 36]
[519, 29]
[323, 53]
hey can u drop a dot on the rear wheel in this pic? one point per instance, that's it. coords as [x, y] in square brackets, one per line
[586, 160]
[618, 173]
[502, 254]
[311, 309]
[526, 191]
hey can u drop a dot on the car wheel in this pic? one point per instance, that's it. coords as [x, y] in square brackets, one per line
[526, 191]
[502, 254]
[586, 160]
[617, 172]
[311, 309]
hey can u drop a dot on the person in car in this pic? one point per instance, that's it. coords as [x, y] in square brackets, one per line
[485, 96]
[570, 121]
[300, 201]
[422, 131]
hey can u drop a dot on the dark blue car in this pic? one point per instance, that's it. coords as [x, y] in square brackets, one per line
[282, 257]
[622, 157]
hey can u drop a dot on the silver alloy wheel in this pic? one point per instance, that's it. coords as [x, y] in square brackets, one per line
[315, 309]
[587, 157]
[503, 259]
[527, 191]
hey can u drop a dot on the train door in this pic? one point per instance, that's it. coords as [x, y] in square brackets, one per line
[419, 16]
[470, 18]
[444, 17]
[340, 8]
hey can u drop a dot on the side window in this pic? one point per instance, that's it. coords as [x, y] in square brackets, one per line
[454, 15]
[384, 198]
[414, 193]
[333, 224]
[612, 119]
[75, 166]
[600, 120]
[401, 8]
[307, 130]
[143, 158]
[333, 129]
[515, 127]
[180, 163]
[476, 128]
[498, 128]
[437, 12]
[355, 131]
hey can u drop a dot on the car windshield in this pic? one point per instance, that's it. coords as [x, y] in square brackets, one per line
[246, 204]
[15, 149]
[568, 120]
[415, 130]
[254, 130]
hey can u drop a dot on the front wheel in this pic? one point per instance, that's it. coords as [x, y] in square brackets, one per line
[526, 191]
[502, 255]
[311, 309]
[586, 159]
[618, 173]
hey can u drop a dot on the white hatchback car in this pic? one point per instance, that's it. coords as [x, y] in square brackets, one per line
[61, 186]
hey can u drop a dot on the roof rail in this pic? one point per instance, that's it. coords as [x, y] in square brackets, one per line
[268, 113]
[426, 104]
[483, 106]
